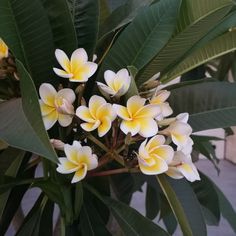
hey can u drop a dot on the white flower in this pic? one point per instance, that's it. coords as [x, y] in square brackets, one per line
[79, 159]
[138, 117]
[56, 105]
[98, 115]
[180, 133]
[117, 83]
[154, 156]
[78, 68]
[182, 166]
[160, 99]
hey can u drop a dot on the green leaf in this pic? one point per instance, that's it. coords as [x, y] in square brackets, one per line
[130, 221]
[133, 90]
[196, 18]
[62, 27]
[184, 205]
[85, 15]
[17, 193]
[31, 224]
[10, 162]
[78, 202]
[216, 48]
[22, 125]
[208, 198]
[210, 105]
[26, 30]
[91, 222]
[142, 39]
[226, 208]
[152, 202]
[203, 145]
[122, 16]
[104, 11]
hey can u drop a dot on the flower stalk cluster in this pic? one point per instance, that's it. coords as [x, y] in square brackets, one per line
[138, 134]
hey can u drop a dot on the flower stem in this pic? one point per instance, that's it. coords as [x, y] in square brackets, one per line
[114, 172]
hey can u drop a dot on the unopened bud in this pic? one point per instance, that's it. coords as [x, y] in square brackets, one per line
[57, 144]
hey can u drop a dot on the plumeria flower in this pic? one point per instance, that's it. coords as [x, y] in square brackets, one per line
[154, 156]
[160, 99]
[138, 117]
[79, 159]
[3, 50]
[117, 83]
[56, 106]
[180, 133]
[98, 115]
[78, 68]
[182, 166]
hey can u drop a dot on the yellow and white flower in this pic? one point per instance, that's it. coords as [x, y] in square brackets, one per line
[56, 106]
[180, 133]
[3, 50]
[117, 83]
[160, 99]
[79, 159]
[154, 156]
[182, 166]
[78, 68]
[138, 117]
[98, 115]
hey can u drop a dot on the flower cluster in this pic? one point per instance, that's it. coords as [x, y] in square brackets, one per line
[165, 146]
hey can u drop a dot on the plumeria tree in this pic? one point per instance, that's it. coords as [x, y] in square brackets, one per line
[87, 116]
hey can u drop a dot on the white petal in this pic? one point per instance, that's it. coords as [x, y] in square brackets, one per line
[142, 151]
[166, 110]
[155, 142]
[122, 112]
[71, 153]
[45, 109]
[90, 126]
[159, 167]
[79, 174]
[93, 162]
[47, 93]
[76, 144]
[189, 171]
[50, 119]
[123, 73]
[62, 59]
[165, 152]
[148, 111]
[122, 91]
[163, 95]
[104, 127]
[109, 77]
[68, 94]
[183, 117]
[66, 167]
[95, 102]
[148, 127]
[79, 56]
[174, 173]
[106, 89]
[62, 73]
[64, 120]
[132, 127]
[84, 114]
[134, 104]
[92, 67]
